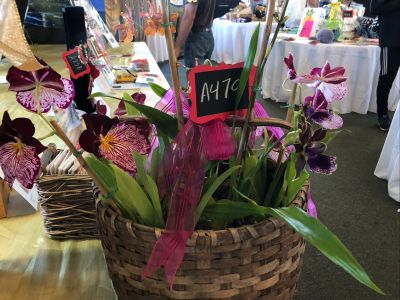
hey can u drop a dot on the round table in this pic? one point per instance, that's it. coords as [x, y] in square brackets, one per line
[232, 40]
[361, 62]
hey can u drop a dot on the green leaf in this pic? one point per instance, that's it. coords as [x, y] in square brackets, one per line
[249, 166]
[130, 110]
[157, 89]
[244, 76]
[129, 196]
[330, 135]
[311, 229]
[227, 210]
[317, 234]
[154, 163]
[150, 188]
[165, 123]
[294, 186]
[211, 190]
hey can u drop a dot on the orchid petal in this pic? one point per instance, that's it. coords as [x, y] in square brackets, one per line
[120, 142]
[168, 104]
[333, 92]
[327, 120]
[21, 162]
[217, 140]
[121, 109]
[20, 80]
[311, 207]
[99, 124]
[47, 97]
[322, 164]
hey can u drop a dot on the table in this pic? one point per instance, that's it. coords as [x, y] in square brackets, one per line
[232, 40]
[361, 62]
[388, 166]
[362, 69]
[141, 51]
[158, 47]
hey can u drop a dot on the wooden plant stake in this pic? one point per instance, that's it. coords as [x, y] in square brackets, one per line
[290, 111]
[4, 196]
[173, 63]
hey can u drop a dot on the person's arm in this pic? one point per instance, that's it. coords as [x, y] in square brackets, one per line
[185, 25]
[384, 6]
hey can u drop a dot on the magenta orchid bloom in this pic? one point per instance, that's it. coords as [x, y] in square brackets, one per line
[46, 84]
[331, 82]
[115, 140]
[316, 109]
[19, 151]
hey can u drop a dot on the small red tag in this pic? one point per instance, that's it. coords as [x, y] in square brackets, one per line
[74, 63]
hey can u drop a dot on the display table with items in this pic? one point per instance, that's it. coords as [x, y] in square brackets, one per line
[388, 166]
[362, 69]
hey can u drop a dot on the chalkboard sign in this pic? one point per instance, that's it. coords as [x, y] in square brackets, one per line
[213, 92]
[74, 63]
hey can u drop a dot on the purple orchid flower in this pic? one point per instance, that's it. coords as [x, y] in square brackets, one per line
[331, 82]
[316, 109]
[19, 151]
[46, 84]
[310, 149]
[115, 140]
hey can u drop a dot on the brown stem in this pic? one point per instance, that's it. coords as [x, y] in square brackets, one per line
[246, 130]
[173, 64]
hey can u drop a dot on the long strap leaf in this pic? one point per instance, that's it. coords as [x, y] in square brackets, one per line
[311, 229]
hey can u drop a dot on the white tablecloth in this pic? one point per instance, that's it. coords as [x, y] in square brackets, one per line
[362, 69]
[388, 166]
[158, 47]
[361, 62]
[232, 40]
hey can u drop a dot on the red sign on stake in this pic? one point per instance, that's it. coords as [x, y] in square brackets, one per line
[213, 92]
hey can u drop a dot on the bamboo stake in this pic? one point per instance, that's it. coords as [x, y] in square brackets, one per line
[267, 33]
[173, 64]
[290, 111]
[4, 195]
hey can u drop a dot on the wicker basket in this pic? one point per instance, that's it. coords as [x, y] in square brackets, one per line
[67, 205]
[260, 261]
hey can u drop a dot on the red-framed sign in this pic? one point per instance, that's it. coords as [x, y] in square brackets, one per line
[213, 92]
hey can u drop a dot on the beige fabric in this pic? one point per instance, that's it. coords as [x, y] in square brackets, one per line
[113, 12]
[13, 43]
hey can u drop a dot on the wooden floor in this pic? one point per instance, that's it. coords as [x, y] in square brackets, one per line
[33, 266]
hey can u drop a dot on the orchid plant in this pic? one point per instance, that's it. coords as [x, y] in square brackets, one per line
[210, 176]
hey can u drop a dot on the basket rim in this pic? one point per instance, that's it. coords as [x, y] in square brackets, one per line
[276, 222]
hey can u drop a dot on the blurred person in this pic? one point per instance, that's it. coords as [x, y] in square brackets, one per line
[388, 12]
[194, 33]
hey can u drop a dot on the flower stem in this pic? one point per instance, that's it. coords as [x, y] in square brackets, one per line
[246, 132]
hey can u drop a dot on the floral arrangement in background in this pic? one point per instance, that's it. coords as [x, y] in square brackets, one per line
[126, 29]
[153, 23]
